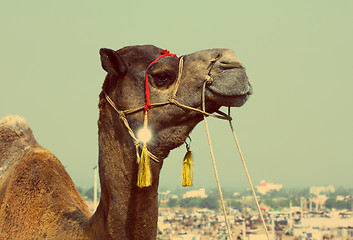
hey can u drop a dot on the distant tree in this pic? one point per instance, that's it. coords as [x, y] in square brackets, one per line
[304, 192]
[277, 204]
[283, 203]
[297, 193]
[235, 204]
[342, 191]
[214, 193]
[90, 193]
[172, 203]
[211, 202]
[278, 194]
[269, 202]
[346, 204]
[295, 201]
[332, 203]
[227, 194]
[190, 202]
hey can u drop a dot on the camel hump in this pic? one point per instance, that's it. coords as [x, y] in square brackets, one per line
[13, 127]
[14, 123]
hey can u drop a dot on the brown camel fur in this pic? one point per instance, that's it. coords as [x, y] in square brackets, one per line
[38, 200]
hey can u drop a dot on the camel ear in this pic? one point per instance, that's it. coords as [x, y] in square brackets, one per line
[112, 63]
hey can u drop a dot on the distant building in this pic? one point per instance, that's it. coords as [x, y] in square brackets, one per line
[343, 198]
[322, 189]
[267, 187]
[320, 200]
[236, 194]
[201, 193]
[340, 198]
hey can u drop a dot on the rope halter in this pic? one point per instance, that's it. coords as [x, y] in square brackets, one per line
[172, 100]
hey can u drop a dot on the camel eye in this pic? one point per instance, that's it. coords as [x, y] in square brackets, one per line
[163, 79]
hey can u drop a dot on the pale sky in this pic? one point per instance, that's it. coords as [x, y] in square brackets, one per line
[296, 129]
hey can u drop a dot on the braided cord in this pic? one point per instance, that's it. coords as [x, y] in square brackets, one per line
[248, 176]
[214, 164]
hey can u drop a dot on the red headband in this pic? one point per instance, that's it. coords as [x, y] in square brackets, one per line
[164, 53]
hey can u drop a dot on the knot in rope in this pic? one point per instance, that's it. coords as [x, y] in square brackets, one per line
[167, 53]
[172, 99]
[122, 115]
[137, 142]
[209, 80]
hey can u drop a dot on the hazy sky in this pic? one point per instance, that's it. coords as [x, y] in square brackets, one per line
[296, 129]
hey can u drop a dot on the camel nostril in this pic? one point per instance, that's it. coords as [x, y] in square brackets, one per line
[229, 60]
[230, 64]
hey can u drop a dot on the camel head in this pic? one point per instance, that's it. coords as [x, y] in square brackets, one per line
[171, 124]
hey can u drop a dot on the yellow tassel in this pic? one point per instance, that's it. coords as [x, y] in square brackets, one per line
[187, 171]
[144, 177]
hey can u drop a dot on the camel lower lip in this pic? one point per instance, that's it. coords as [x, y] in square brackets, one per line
[228, 100]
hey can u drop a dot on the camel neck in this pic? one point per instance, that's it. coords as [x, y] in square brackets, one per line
[125, 211]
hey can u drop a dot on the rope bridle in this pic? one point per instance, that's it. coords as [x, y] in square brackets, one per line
[172, 100]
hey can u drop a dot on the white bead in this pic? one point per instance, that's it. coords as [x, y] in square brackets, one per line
[144, 134]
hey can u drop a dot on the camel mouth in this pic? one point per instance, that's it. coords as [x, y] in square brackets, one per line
[228, 99]
[230, 85]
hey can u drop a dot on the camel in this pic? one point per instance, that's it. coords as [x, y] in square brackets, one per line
[38, 199]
